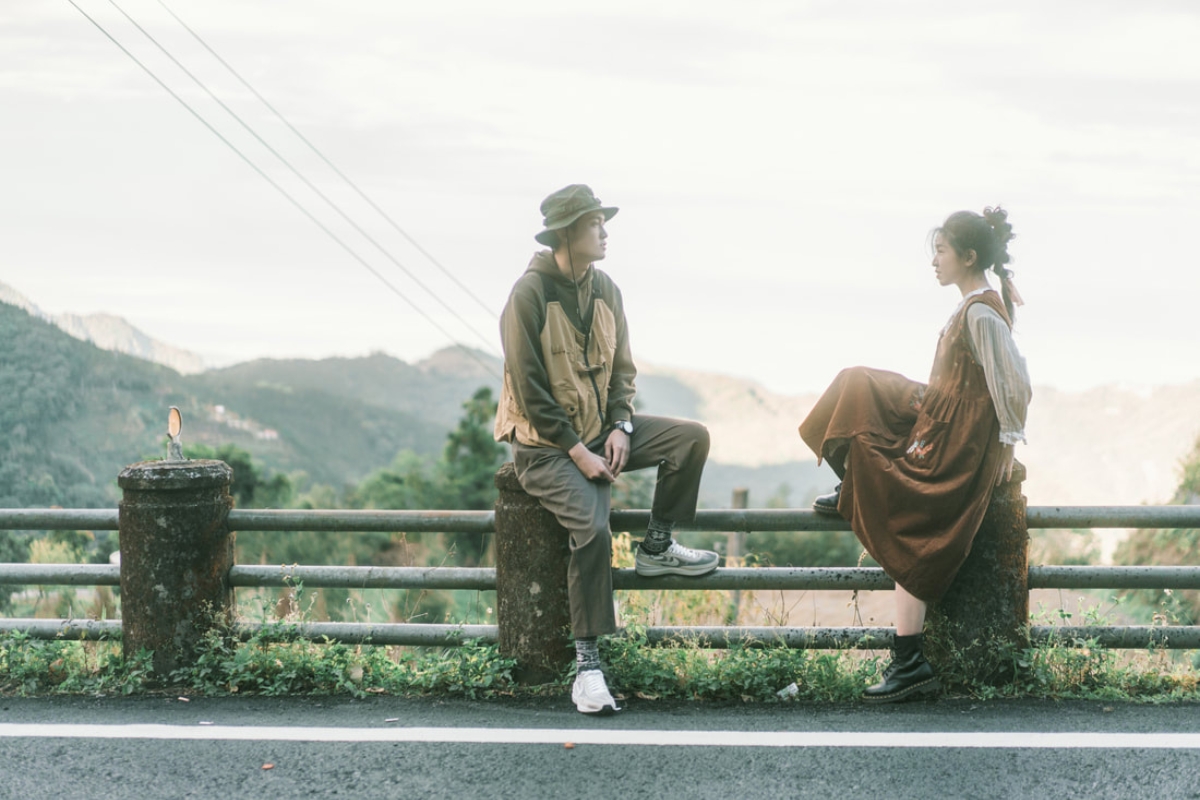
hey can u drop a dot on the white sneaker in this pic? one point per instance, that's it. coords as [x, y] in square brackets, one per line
[590, 693]
[676, 560]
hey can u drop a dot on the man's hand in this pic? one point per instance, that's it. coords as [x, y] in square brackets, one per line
[1006, 464]
[593, 467]
[616, 451]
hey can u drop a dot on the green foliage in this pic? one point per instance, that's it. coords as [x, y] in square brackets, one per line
[52, 385]
[14, 549]
[75, 415]
[1177, 546]
[472, 456]
[275, 661]
[633, 490]
[266, 666]
[803, 548]
[250, 487]
[686, 670]
[1078, 546]
[1082, 669]
[472, 670]
[36, 667]
[463, 479]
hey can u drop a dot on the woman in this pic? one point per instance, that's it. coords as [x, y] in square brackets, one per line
[918, 462]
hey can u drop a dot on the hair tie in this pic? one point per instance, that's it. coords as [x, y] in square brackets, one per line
[1007, 282]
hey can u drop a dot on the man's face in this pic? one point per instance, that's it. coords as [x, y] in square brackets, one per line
[586, 238]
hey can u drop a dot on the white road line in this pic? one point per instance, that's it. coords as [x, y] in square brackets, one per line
[1024, 740]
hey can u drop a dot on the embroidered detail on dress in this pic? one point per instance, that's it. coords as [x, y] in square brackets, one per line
[919, 449]
[914, 402]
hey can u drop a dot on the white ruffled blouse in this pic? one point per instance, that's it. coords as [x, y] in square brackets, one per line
[992, 346]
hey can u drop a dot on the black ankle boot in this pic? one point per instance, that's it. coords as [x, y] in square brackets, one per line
[828, 503]
[908, 676]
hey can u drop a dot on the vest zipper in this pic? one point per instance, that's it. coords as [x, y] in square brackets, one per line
[587, 340]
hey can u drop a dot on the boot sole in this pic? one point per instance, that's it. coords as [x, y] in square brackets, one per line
[926, 688]
[828, 510]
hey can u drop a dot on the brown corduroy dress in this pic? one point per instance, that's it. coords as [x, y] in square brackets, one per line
[921, 460]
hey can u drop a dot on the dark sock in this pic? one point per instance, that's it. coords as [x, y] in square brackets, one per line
[658, 536]
[587, 654]
[837, 461]
[908, 646]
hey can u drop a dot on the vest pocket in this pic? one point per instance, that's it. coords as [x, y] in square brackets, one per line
[568, 397]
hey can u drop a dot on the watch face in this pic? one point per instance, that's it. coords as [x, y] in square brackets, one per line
[626, 426]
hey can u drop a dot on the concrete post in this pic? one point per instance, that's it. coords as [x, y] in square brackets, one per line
[734, 541]
[176, 552]
[532, 607]
[985, 614]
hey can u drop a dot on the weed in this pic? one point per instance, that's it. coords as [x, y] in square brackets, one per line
[34, 667]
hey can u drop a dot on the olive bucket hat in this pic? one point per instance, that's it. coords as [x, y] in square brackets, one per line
[567, 205]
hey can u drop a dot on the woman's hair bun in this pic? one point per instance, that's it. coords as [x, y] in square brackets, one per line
[997, 217]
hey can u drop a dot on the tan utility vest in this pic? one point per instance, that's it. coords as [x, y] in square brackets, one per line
[578, 381]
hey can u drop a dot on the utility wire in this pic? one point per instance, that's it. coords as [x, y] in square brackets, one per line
[284, 192]
[487, 342]
[329, 163]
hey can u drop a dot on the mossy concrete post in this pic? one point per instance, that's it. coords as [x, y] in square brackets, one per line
[984, 616]
[532, 606]
[176, 552]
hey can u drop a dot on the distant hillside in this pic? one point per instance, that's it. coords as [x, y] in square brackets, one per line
[110, 333]
[427, 390]
[73, 415]
[338, 419]
[1111, 445]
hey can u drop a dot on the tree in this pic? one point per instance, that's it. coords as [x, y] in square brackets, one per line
[472, 455]
[462, 480]
[1172, 546]
[250, 489]
[468, 469]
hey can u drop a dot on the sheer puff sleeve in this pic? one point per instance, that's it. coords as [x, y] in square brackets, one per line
[1004, 367]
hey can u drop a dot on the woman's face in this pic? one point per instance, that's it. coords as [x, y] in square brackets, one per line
[948, 265]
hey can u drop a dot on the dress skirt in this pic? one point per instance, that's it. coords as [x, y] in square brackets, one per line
[918, 462]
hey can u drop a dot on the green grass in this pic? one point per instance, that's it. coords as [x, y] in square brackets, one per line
[276, 661]
[262, 666]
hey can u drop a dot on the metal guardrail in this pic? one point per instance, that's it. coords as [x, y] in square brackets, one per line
[747, 520]
[484, 579]
[1131, 637]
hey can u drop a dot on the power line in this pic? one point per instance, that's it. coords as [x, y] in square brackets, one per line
[329, 163]
[284, 192]
[487, 342]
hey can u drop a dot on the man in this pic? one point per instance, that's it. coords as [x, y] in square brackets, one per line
[567, 409]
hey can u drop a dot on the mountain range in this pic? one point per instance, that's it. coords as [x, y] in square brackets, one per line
[337, 419]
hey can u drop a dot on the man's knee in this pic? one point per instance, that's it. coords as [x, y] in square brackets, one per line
[697, 438]
[596, 535]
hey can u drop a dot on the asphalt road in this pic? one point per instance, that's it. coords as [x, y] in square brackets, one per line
[164, 747]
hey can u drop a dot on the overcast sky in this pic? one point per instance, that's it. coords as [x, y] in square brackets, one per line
[778, 166]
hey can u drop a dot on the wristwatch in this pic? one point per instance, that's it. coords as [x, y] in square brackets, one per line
[623, 425]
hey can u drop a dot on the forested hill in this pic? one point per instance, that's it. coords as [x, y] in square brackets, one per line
[73, 415]
[433, 390]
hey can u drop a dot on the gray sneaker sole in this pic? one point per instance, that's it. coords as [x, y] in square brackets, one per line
[652, 570]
